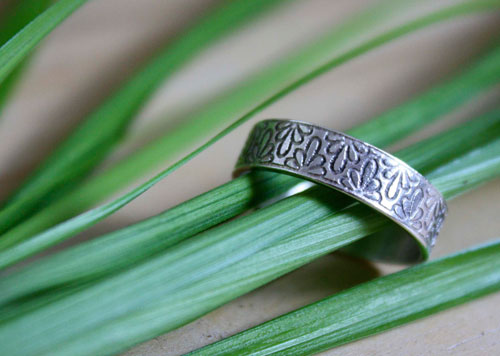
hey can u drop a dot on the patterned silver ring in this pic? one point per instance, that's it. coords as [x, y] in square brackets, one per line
[364, 172]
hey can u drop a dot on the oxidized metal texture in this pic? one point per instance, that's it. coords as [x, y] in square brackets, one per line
[351, 166]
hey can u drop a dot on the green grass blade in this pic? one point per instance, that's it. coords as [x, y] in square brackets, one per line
[200, 274]
[18, 47]
[104, 128]
[372, 307]
[9, 83]
[18, 15]
[85, 220]
[15, 18]
[195, 128]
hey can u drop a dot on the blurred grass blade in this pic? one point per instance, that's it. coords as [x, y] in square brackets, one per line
[95, 137]
[195, 128]
[13, 20]
[199, 274]
[18, 47]
[9, 83]
[372, 307]
[18, 15]
[91, 217]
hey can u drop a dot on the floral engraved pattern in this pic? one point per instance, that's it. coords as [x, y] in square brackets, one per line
[395, 187]
[249, 151]
[410, 208]
[343, 152]
[436, 213]
[399, 181]
[265, 148]
[437, 221]
[259, 147]
[364, 181]
[289, 134]
[350, 165]
[308, 157]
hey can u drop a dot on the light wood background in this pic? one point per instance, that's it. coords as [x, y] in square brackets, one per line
[93, 51]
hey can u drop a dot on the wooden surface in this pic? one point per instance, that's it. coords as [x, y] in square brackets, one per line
[83, 60]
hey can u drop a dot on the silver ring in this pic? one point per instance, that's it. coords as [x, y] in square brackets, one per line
[364, 172]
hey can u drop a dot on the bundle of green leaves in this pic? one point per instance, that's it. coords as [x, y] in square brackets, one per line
[90, 298]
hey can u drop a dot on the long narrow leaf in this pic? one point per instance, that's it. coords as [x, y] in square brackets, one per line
[187, 282]
[17, 16]
[372, 307]
[19, 46]
[85, 220]
[195, 127]
[9, 83]
[95, 137]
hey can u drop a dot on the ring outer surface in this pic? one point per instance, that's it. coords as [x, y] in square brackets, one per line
[361, 170]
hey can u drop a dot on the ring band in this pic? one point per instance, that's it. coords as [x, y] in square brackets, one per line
[356, 168]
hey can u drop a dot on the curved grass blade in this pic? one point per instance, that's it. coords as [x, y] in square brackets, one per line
[8, 85]
[190, 280]
[15, 18]
[372, 307]
[195, 128]
[91, 217]
[100, 132]
[18, 15]
[18, 47]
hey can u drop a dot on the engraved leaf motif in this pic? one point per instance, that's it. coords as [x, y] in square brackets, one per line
[264, 150]
[289, 134]
[409, 209]
[343, 152]
[364, 181]
[308, 157]
[399, 181]
[394, 187]
[251, 146]
[437, 211]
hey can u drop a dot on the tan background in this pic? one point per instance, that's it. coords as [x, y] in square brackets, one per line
[88, 56]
